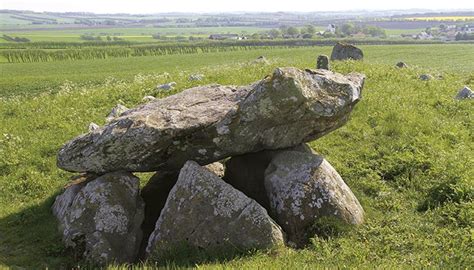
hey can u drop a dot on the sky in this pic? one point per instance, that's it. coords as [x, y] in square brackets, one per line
[159, 6]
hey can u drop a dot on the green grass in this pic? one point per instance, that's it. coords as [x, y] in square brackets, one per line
[33, 78]
[406, 153]
[129, 34]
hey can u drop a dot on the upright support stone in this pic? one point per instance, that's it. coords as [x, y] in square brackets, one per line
[204, 212]
[322, 62]
[100, 220]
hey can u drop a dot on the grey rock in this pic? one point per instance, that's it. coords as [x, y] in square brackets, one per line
[167, 86]
[217, 168]
[148, 98]
[401, 65]
[426, 77]
[322, 62]
[196, 77]
[93, 127]
[465, 93]
[204, 212]
[261, 60]
[247, 172]
[210, 123]
[101, 219]
[343, 51]
[116, 112]
[304, 187]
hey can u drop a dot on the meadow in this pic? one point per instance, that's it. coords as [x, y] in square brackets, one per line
[407, 152]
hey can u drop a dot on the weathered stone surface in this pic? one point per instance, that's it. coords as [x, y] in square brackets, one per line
[343, 51]
[426, 77]
[247, 172]
[211, 123]
[148, 98]
[261, 60]
[465, 93]
[196, 77]
[166, 86]
[401, 65]
[101, 219]
[93, 127]
[202, 211]
[116, 112]
[303, 187]
[322, 62]
[217, 168]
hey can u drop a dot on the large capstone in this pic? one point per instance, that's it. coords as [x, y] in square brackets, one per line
[204, 212]
[303, 187]
[210, 123]
[100, 219]
[343, 51]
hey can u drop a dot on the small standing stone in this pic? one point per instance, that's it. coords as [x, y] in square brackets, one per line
[426, 77]
[465, 93]
[401, 65]
[323, 62]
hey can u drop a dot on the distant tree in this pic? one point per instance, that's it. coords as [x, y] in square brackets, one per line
[274, 33]
[307, 36]
[348, 29]
[443, 27]
[374, 31]
[255, 36]
[284, 29]
[310, 29]
[292, 31]
[109, 38]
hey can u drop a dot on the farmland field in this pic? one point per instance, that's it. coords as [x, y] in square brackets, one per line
[34, 78]
[406, 153]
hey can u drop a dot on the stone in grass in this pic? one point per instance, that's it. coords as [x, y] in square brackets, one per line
[303, 187]
[116, 112]
[203, 212]
[166, 86]
[93, 127]
[322, 62]
[426, 77]
[465, 93]
[100, 219]
[344, 51]
[211, 123]
[148, 98]
[401, 65]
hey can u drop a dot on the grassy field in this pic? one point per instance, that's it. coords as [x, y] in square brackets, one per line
[129, 34]
[33, 78]
[406, 153]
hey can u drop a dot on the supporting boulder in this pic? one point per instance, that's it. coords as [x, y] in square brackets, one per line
[204, 212]
[100, 219]
[211, 123]
[303, 187]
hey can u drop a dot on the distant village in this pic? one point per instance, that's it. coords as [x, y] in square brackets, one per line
[444, 32]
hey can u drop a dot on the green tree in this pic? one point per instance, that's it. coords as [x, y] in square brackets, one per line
[293, 31]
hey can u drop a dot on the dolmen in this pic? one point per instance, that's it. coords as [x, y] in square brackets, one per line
[231, 170]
